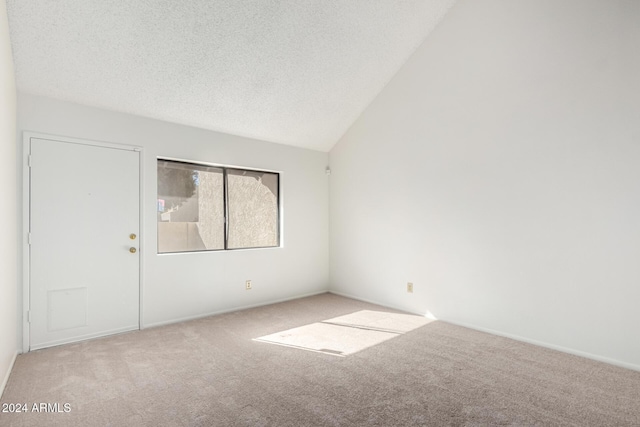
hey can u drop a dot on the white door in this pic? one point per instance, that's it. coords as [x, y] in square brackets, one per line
[84, 257]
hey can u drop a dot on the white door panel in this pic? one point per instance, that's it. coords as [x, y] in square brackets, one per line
[84, 281]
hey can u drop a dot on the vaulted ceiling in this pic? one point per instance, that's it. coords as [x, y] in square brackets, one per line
[296, 72]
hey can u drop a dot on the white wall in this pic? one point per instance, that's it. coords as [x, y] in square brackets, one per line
[500, 172]
[179, 286]
[8, 209]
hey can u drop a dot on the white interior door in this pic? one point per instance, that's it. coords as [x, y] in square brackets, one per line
[84, 258]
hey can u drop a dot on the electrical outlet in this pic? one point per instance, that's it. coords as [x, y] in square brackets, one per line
[410, 287]
[248, 284]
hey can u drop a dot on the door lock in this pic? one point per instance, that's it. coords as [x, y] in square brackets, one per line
[132, 250]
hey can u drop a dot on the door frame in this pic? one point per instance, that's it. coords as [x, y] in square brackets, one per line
[26, 220]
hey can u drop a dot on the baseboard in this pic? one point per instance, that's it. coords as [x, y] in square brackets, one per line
[230, 310]
[5, 380]
[562, 349]
[584, 354]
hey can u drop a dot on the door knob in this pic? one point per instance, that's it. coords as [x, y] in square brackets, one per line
[132, 236]
[132, 250]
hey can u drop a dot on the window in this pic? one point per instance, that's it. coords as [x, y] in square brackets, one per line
[208, 208]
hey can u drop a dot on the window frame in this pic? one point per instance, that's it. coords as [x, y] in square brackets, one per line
[225, 200]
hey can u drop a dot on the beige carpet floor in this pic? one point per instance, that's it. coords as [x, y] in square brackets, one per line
[211, 372]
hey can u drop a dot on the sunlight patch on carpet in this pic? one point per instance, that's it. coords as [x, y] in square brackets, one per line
[380, 321]
[345, 335]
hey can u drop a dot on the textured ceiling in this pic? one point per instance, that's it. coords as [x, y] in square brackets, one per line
[297, 72]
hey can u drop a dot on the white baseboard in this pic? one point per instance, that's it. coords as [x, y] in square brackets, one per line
[229, 310]
[584, 354]
[6, 376]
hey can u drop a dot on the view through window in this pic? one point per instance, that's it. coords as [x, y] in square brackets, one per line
[205, 208]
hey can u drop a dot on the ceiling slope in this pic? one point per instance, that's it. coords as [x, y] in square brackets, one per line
[292, 72]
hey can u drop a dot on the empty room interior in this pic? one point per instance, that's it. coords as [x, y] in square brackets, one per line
[291, 213]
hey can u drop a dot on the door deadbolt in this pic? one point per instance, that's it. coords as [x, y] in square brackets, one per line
[132, 236]
[132, 250]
